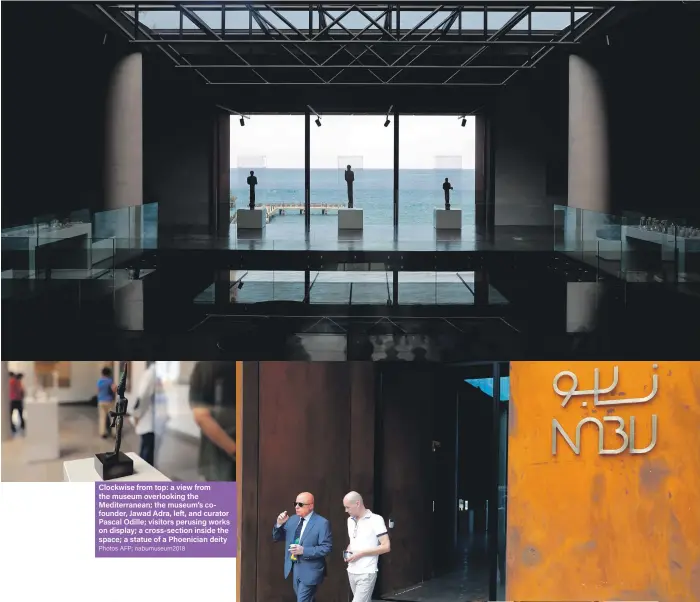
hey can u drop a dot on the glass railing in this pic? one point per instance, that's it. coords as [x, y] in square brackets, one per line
[79, 244]
[372, 284]
[135, 226]
[633, 247]
[70, 258]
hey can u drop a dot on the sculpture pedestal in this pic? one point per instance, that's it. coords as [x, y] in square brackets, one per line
[83, 471]
[447, 220]
[42, 441]
[112, 466]
[350, 219]
[250, 219]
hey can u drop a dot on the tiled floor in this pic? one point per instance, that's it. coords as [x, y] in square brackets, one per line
[176, 455]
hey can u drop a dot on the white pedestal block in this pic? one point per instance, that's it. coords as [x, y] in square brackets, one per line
[250, 219]
[42, 442]
[447, 220]
[350, 219]
[83, 471]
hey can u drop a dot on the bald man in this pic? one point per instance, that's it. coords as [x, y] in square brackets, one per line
[308, 541]
[369, 539]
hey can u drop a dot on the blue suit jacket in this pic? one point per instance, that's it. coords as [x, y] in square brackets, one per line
[317, 543]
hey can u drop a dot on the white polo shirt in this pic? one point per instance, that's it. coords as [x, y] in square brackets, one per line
[364, 534]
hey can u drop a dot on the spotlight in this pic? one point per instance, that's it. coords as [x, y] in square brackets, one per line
[318, 121]
[242, 122]
[464, 121]
[387, 122]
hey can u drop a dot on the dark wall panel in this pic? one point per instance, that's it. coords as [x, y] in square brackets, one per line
[530, 138]
[180, 140]
[407, 476]
[312, 418]
[651, 79]
[53, 110]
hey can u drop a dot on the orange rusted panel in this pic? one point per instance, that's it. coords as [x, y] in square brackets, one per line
[594, 526]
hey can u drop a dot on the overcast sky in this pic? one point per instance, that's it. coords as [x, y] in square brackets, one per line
[425, 142]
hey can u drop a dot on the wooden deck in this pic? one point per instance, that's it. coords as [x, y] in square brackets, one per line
[276, 209]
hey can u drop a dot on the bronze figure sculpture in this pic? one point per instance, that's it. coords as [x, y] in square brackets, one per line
[116, 464]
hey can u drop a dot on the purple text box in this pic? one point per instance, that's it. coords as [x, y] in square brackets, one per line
[165, 520]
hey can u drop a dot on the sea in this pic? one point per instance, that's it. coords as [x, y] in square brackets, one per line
[420, 190]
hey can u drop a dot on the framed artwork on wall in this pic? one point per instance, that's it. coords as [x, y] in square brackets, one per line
[50, 374]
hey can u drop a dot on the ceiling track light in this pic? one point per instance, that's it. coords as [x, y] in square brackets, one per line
[318, 117]
[232, 112]
[387, 121]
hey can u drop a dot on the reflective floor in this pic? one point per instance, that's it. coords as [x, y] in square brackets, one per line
[372, 238]
[468, 582]
[352, 288]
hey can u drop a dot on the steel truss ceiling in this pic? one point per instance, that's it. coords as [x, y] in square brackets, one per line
[367, 43]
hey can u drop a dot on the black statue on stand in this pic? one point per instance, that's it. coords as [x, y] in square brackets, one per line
[252, 181]
[349, 178]
[116, 464]
[446, 186]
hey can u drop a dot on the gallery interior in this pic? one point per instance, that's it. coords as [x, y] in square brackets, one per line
[60, 422]
[426, 446]
[570, 130]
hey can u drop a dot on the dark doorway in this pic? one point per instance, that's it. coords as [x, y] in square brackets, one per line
[440, 470]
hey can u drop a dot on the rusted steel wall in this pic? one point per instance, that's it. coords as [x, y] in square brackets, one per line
[604, 527]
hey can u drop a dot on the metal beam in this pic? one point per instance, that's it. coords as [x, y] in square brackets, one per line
[357, 57]
[510, 24]
[126, 32]
[351, 66]
[192, 16]
[380, 33]
[470, 42]
[293, 42]
[356, 84]
[357, 35]
[545, 50]
[422, 52]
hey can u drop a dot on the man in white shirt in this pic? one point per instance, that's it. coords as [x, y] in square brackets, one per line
[143, 413]
[369, 539]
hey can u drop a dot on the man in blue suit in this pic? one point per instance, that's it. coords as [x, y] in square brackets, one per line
[308, 541]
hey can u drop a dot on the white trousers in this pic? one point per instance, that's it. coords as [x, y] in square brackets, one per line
[362, 586]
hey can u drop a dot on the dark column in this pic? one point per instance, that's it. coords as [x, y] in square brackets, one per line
[307, 285]
[124, 174]
[588, 138]
[307, 172]
[222, 174]
[124, 139]
[481, 287]
[589, 188]
[489, 168]
[247, 462]
[493, 493]
[480, 173]
[222, 287]
[396, 173]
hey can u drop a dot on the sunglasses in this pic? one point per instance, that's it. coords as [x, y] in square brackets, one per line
[300, 504]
